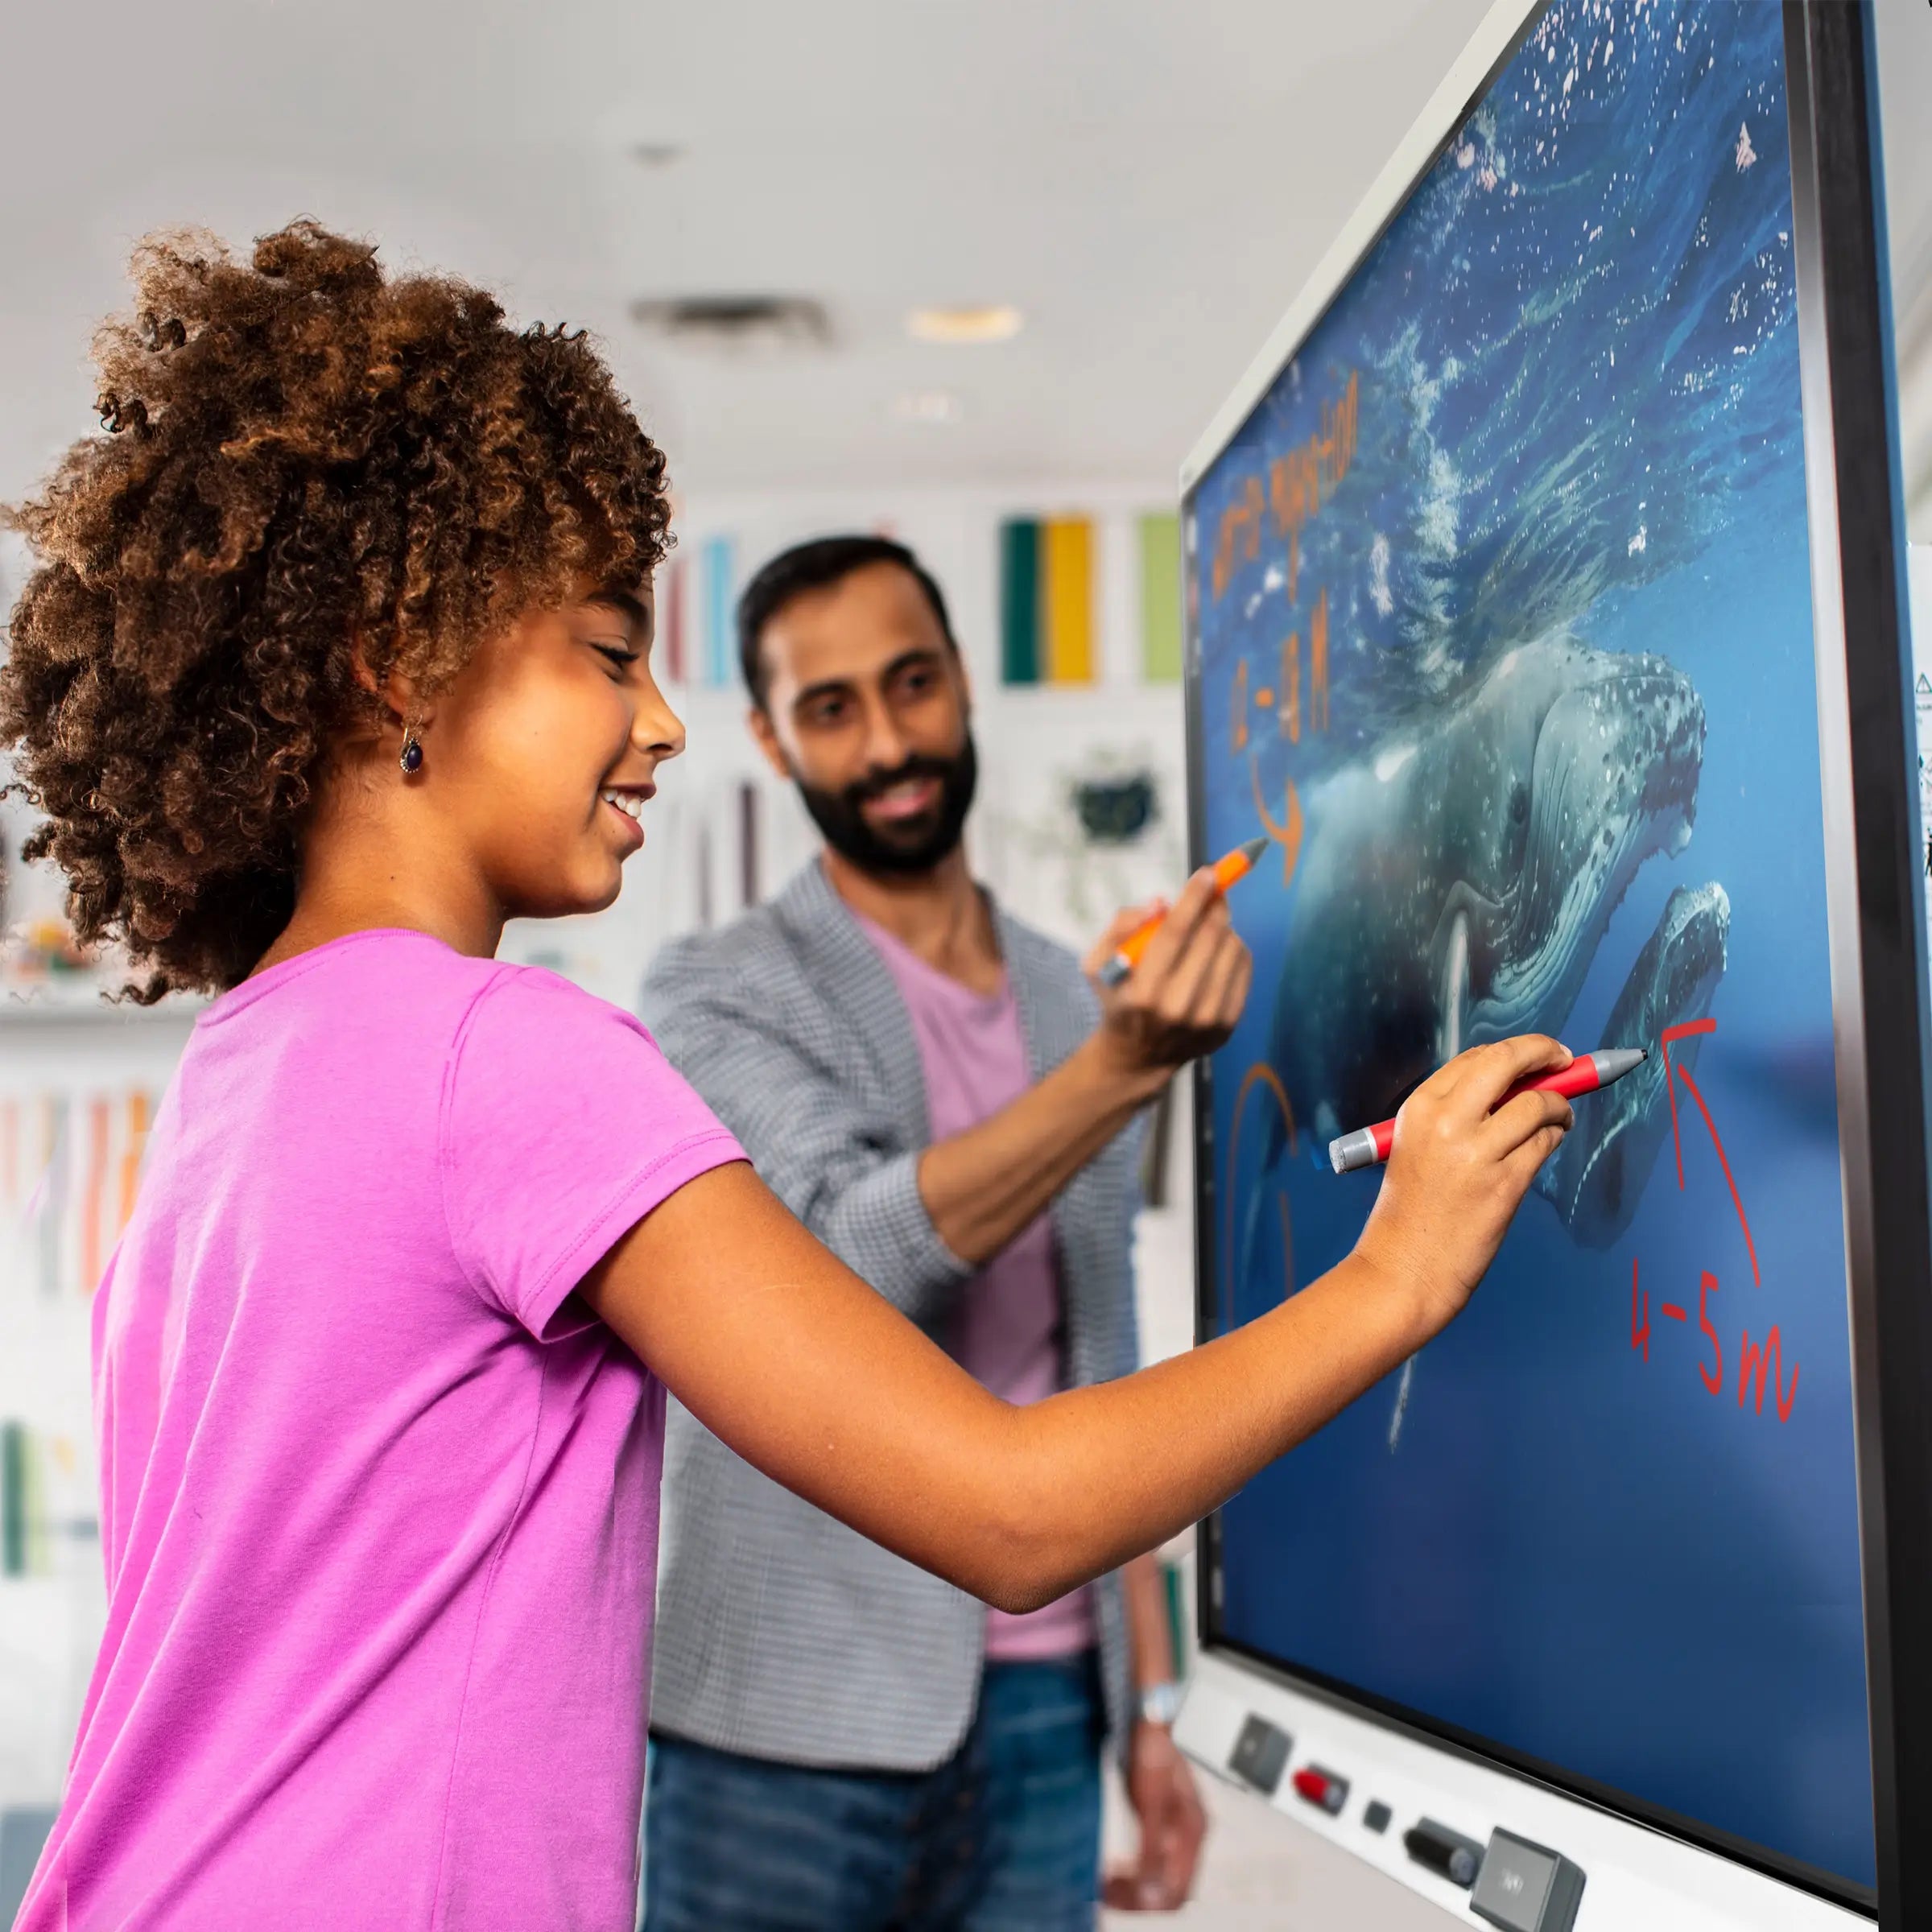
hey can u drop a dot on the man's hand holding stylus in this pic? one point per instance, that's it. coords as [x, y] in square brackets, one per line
[1184, 997]
[982, 1187]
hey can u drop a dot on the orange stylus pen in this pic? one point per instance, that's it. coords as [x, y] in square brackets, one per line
[1237, 864]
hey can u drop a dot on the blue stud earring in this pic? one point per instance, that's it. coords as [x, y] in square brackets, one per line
[412, 751]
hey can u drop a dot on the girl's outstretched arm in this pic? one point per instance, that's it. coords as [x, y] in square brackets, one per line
[792, 1361]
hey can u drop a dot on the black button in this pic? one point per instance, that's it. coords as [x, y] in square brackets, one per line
[1260, 1755]
[1376, 1816]
[1447, 1853]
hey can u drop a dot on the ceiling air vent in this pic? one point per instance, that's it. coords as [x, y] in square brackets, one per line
[736, 324]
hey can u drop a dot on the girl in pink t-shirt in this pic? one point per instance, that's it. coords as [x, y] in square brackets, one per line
[338, 657]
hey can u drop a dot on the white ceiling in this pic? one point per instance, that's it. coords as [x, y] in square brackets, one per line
[1147, 180]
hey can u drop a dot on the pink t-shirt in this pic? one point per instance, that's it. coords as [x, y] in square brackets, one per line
[379, 1498]
[1008, 1333]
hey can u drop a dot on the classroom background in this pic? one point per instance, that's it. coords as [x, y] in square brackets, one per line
[972, 275]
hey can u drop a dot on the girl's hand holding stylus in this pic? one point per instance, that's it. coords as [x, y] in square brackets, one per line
[791, 1360]
[1459, 1169]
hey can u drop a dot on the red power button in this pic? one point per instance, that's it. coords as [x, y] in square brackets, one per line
[1322, 1788]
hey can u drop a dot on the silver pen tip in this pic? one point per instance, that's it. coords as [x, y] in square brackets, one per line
[1613, 1063]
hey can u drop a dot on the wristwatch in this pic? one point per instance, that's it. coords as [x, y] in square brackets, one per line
[1160, 1704]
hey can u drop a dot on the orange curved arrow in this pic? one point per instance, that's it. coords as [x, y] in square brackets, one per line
[1261, 1073]
[1286, 831]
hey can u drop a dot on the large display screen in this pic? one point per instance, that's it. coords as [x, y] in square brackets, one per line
[1500, 628]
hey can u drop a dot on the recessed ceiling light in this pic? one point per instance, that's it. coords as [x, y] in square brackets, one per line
[983, 322]
[926, 406]
[735, 323]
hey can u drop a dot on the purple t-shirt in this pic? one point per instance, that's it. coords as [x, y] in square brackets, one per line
[379, 1496]
[1007, 1333]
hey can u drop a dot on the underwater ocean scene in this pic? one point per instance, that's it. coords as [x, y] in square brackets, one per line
[1500, 618]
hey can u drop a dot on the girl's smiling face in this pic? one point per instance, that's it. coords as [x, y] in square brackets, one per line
[541, 752]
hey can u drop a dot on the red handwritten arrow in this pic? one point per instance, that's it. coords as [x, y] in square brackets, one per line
[1678, 1033]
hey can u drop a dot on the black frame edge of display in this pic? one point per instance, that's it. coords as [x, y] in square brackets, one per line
[1827, 76]
[1891, 1299]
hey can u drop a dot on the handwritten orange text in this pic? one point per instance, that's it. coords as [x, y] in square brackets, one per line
[1298, 482]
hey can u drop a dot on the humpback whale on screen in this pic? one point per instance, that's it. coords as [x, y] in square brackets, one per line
[1595, 1179]
[1456, 880]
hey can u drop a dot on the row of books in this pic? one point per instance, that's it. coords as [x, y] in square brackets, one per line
[45, 1505]
[69, 1165]
[1050, 617]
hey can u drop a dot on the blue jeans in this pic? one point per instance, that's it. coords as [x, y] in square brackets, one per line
[1004, 1836]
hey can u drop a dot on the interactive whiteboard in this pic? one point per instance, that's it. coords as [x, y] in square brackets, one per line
[1501, 627]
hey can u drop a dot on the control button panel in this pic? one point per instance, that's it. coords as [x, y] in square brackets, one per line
[1447, 1853]
[1526, 1888]
[1260, 1755]
[1324, 1788]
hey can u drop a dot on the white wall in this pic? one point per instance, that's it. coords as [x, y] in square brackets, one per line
[1903, 48]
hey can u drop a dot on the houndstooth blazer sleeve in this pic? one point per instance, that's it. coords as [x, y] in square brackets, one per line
[738, 1014]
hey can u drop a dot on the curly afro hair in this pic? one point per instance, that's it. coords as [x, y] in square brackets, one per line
[302, 455]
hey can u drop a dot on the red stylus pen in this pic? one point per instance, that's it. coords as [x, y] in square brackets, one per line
[1368, 1146]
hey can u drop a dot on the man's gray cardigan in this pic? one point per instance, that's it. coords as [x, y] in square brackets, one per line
[780, 1632]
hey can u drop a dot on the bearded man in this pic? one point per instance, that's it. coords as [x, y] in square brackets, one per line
[841, 1742]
